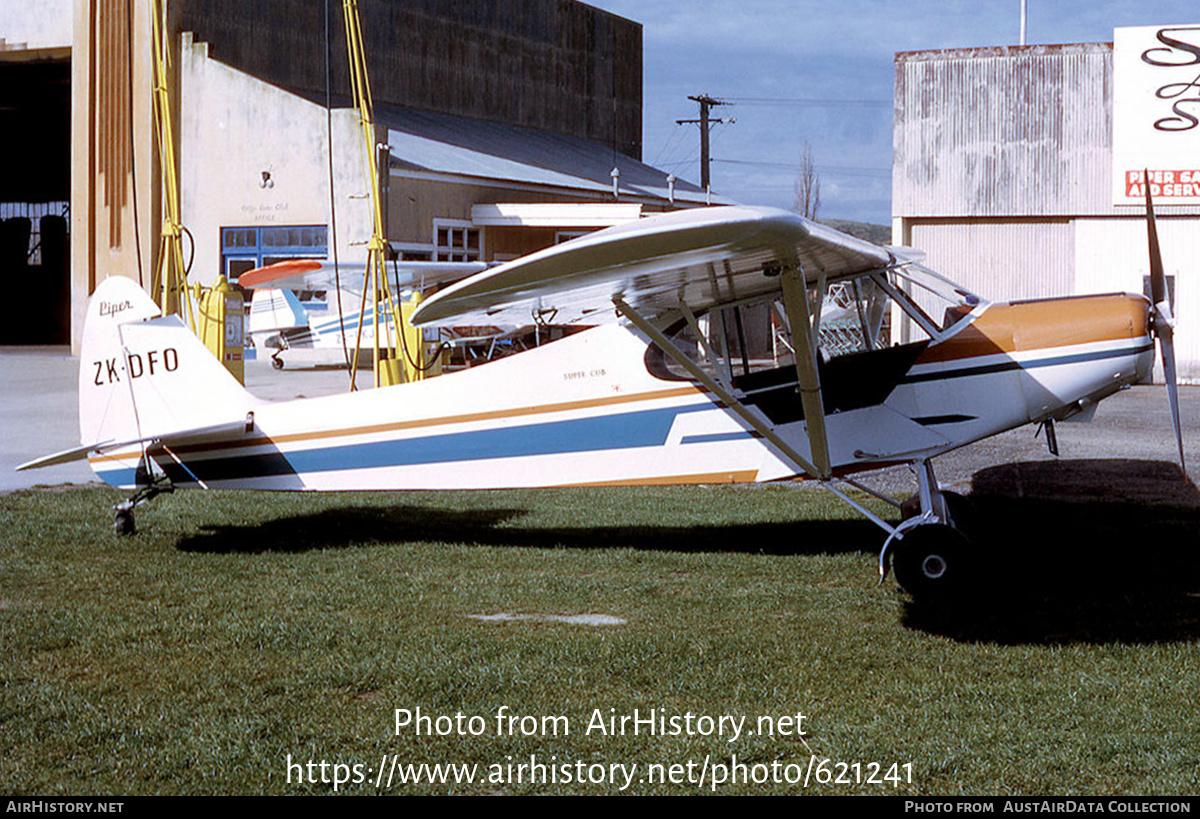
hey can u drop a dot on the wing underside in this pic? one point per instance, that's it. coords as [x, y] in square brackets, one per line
[703, 257]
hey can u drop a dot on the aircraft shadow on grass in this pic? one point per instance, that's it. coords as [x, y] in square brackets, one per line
[1078, 551]
[355, 526]
[1072, 551]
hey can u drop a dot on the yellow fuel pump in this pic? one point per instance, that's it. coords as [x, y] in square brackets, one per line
[424, 359]
[220, 327]
[409, 357]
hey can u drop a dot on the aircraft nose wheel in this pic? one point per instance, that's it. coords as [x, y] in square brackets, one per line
[277, 362]
[931, 562]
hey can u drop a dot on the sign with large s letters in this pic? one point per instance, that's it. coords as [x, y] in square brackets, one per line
[1156, 114]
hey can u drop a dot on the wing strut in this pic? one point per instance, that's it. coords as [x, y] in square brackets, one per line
[804, 344]
[763, 429]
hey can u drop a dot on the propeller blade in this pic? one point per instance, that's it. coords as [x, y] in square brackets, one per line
[1158, 279]
[1163, 319]
[1166, 346]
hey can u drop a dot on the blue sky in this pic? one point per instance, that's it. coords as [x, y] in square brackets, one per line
[775, 57]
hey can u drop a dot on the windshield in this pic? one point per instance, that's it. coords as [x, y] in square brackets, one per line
[929, 300]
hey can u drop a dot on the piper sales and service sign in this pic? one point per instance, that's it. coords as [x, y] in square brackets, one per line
[1156, 114]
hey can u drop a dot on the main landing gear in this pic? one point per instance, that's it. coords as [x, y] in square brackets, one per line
[931, 550]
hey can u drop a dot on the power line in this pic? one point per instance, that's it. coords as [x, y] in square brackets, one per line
[667, 147]
[848, 170]
[810, 102]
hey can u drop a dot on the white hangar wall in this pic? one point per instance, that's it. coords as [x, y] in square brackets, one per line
[26, 26]
[1003, 175]
[1003, 131]
[234, 127]
[1001, 260]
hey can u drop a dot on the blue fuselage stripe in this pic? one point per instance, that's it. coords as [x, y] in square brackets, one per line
[625, 431]
[606, 432]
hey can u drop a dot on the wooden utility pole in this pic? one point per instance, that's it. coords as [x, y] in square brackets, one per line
[705, 123]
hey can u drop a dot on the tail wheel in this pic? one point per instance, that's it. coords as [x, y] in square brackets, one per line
[931, 561]
[123, 522]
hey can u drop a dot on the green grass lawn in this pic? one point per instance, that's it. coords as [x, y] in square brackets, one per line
[238, 629]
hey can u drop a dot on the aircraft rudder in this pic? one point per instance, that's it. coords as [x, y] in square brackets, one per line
[105, 405]
[143, 374]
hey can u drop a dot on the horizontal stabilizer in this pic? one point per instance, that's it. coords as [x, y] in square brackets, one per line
[196, 435]
[65, 457]
[274, 310]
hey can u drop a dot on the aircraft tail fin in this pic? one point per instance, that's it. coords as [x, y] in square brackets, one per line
[143, 375]
[274, 310]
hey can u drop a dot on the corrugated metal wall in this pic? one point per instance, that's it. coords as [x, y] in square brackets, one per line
[1002, 261]
[557, 65]
[1003, 132]
[1003, 175]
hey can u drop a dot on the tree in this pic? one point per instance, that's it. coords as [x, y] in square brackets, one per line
[807, 187]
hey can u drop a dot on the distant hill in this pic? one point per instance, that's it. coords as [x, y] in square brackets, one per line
[879, 234]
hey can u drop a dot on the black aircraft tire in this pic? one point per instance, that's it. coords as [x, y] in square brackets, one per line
[277, 362]
[932, 562]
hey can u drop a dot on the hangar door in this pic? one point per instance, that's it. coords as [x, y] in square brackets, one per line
[35, 172]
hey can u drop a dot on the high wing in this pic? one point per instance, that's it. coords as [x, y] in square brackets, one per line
[320, 274]
[702, 257]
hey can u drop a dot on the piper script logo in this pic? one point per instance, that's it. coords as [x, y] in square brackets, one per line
[1180, 48]
[108, 308]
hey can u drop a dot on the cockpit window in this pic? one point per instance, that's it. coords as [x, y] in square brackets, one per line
[873, 311]
[855, 317]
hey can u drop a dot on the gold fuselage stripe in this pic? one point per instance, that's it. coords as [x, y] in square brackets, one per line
[1038, 325]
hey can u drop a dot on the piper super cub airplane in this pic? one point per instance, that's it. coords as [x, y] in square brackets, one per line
[642, 397]
[324, 330]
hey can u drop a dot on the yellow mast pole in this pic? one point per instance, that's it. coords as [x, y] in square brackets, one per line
[169, 281]
[387, 366]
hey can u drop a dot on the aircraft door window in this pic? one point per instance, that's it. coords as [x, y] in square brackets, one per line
[854, 318]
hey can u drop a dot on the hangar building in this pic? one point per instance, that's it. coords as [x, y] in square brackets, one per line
[509, 126]
[1015, 169]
